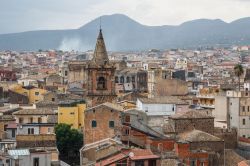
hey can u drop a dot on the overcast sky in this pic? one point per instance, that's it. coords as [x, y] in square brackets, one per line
[24, 15]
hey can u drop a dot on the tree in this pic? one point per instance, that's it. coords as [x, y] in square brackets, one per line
[238, 71]
[68, 141]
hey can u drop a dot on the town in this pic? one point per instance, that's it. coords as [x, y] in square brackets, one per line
[141, 108]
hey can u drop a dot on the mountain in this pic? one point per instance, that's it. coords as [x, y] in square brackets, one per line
[123, 33]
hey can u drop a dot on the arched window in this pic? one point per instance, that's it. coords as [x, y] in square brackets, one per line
[101, 83]
[128, 79]
[122, 79]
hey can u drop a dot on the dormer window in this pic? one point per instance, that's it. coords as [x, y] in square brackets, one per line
[101, 83]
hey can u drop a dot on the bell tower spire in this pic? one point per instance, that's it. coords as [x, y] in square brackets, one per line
[100, 56]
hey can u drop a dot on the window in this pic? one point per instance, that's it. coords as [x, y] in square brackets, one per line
[30, 130]
[111, 124]
[243, 121]
[127, 119]
[101, 83]
[243, 108]
[133, 78]
[72, 113]
[93, 123]
[244, 136]
[36, 93]
[128, 79]
[192, 163]
[31, 120]
[39, 120]
[66, 73]
[152, 162]
[122, 79]
[20, 120]
[127, 132]
[122, 163]
[52, 99]
[139, 163]
[248, 108]
[36, 162]
[116, 80]
[13, 133]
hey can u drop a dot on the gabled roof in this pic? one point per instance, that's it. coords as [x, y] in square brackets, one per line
[197, 136]
[109, 105]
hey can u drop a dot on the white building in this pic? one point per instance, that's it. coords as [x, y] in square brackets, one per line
[159, 109]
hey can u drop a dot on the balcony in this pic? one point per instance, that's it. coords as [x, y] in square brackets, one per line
[205, 96]
[207, 106]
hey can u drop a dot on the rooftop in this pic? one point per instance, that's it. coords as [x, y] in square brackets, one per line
[193, 114]
[197, 136]
[163, 100]
[38, 111]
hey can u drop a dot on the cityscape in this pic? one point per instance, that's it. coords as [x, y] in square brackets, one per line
[116, 92]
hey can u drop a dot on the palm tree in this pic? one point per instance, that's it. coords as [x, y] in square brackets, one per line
[238, 70]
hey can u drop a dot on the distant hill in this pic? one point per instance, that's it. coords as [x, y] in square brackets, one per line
[122, 33]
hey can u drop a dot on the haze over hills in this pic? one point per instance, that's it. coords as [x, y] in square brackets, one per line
[121, 33]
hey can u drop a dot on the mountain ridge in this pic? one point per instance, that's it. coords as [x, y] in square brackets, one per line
[122, 33]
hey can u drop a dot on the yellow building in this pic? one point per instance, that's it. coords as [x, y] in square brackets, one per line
[33, 93]
[72, 112]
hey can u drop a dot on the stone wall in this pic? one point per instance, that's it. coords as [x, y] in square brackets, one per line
[182, 125]
[102, 115]
[30, 141]
[230, 137]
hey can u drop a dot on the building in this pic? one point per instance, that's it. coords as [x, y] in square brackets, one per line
[158, 109]
[34, 94]
[131, 79]
[7, 75]
[72, 112]
[101, 122]
[193, 119]
[101, 75]
[92, 153]
[35, 121]
[196, 147]
[132, 157]
[206, 97]
[28, 157]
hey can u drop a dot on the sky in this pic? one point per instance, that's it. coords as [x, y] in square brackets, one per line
[26, 15]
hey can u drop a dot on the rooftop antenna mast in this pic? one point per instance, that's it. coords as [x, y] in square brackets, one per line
[100, 22]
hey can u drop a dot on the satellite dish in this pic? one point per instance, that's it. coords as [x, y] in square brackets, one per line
[131, 154]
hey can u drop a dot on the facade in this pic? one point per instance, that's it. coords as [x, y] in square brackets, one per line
[196, 147]
[192, 120]
[206, 97]
[34, 94]
[27, 157]
[78, 72]
[101, 122]
[72, 112]
[101, 75]
[35, 121]
[131, 79]
[160, 108]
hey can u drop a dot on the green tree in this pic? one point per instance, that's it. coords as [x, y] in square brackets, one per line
[69, 141]
[238, 71]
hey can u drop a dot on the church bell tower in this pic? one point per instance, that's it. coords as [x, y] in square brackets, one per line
[101, 75]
